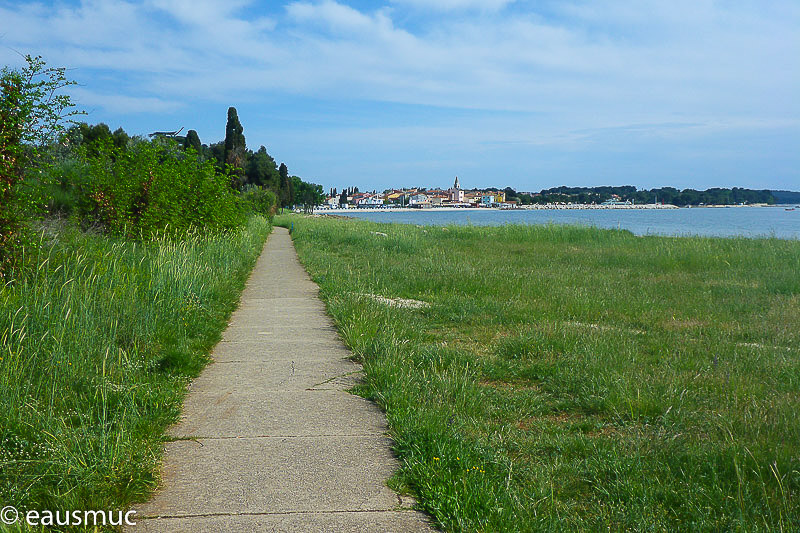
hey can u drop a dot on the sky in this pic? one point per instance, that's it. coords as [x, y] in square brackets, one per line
[527, 94]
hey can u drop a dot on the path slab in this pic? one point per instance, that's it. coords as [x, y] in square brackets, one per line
[272, 346]
[251, 332]
[253, 413]
[269, 438]
[276, 475]
[340, 522]
[279, 374]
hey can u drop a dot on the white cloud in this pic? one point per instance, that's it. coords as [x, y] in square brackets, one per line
[336, 16]
[595, 64]
[452, 5]
[122, 104]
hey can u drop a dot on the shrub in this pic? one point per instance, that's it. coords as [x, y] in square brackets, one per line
[32, 112]
[150, 187]
[261, 201]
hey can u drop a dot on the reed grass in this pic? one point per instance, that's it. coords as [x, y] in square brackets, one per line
[569, 378]
[97, 342]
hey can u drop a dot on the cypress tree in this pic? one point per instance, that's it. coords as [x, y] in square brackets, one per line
[193, 141]
[285, 186]
[235, 147]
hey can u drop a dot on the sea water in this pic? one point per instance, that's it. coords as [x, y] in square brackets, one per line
[775, 221]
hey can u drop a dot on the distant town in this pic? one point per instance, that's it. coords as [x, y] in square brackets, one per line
[559, 197]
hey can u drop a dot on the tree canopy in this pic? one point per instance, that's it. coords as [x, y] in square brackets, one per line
[235, 146]
[262, 170]
[285, 192]
[308, 195]
[33, 111]
[192, 140]
[666, 195]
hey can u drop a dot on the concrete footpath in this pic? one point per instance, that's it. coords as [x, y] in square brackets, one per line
[269, 438]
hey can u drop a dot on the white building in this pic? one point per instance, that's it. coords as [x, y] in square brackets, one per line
[370, 201]
[455, 194]
[419, 199]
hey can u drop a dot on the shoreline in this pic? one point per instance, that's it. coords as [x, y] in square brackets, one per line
[542, 207]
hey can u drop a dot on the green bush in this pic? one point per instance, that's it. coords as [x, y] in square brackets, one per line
[32, 112]
[260, 201]
[57, 187]
[150, 188]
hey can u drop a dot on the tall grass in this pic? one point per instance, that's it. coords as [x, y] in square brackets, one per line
[570, 378]
[97, 341]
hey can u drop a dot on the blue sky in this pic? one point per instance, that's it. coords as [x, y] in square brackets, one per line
[528, 94]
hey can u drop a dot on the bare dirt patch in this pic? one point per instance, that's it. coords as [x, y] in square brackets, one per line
[515, 386]
[605, 431]
[560, 418]
[403, 303]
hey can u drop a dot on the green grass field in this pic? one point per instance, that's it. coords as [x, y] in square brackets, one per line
[97, 343]
[566, 378]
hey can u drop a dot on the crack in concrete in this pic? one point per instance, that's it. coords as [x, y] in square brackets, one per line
[254, 437]
[277, 513]
[335, 377]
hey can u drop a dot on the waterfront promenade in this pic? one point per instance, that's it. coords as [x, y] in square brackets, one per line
[534, 207]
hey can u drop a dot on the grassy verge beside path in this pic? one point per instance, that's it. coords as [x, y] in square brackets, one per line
[97, 343]
[565, 378]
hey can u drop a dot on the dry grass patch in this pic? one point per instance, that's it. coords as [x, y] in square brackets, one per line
[601, 327]
[739, 284]
[513, 386]
[675, 324]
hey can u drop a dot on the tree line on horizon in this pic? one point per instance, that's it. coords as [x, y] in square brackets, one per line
[665, 195]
